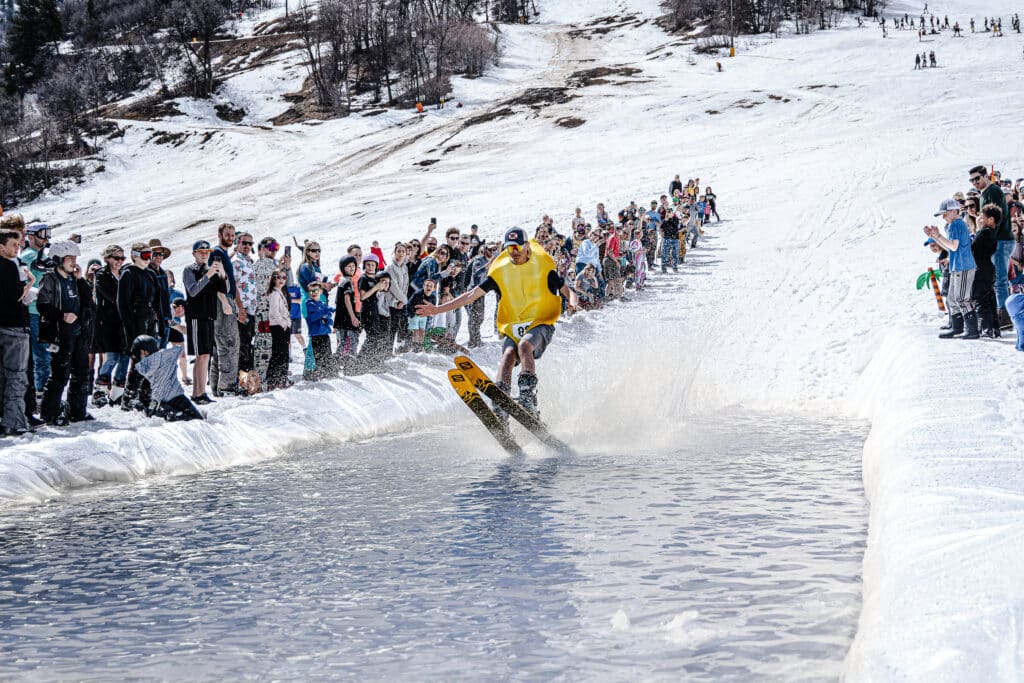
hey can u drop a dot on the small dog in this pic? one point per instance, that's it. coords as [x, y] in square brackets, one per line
[250, 381]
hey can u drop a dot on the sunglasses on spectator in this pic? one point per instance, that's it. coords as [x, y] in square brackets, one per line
[116, 258]
[281, 277]
[273, 246]
[313, 251]
[514, 249]
[976, 178]
[144, 255]
[453, 238]
[246, 244]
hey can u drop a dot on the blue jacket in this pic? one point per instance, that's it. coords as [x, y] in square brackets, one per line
[307, 274]
[318, 318]
[428, 269]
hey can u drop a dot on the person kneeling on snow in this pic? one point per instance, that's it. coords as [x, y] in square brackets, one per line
[153, 384]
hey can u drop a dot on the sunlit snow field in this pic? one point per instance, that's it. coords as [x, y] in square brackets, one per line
[828, 153]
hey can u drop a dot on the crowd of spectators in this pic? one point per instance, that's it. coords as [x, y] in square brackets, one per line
[980, 254]
[119, 330]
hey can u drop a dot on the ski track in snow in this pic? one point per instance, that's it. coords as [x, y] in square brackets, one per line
[803, 302]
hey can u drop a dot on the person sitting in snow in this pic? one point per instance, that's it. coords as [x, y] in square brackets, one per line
[153, 384]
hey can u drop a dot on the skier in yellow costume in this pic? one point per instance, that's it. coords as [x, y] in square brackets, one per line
[528, 285]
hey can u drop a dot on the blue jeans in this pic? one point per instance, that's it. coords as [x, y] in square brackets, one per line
[1001, 260]
[116, 363]
[669, 248]
[40, 356]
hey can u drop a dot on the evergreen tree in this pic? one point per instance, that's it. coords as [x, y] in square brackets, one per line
[36, 24]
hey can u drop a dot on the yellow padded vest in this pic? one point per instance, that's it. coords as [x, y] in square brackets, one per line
[525, 300]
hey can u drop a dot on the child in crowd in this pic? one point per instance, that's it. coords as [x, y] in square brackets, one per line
[279, 312]
[418, 323]
[318, 321]
[587, 288]
[153, 384]
[346, 320]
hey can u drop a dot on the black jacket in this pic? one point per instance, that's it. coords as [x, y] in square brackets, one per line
[201, 290]
[13, 313]
[137, 302]
[58, 296]
[109, 336]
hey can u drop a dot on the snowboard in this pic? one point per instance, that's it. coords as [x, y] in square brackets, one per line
[482, 383]
[471, 397]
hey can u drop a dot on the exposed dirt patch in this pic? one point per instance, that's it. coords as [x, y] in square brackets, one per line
[746, 104]
[713, 112]
[488, 116]
[570, 122]
[195, 224]
[427, 162]
[778, 98]
[244, 54]
[375, 112]
[207, 136]
[597, 75]
[163, 137]
[448, 150]
[147, 110]
[538, 98]
[819, 85]
[229, 113]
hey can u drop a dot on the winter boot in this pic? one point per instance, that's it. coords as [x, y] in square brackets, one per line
[971, 326]
[499, 412]
[1004, 320]
[956, 327]
[528, 392]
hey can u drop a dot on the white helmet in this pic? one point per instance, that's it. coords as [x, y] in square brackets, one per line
[59, 250]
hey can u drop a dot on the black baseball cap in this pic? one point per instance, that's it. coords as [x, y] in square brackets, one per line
[515, 236]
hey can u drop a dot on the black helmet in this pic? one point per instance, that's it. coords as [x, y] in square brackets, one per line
[146, 343]
[344, 261]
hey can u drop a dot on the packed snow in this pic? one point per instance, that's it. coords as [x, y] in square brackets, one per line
[828, 153]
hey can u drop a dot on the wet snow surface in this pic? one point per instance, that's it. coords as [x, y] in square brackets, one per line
[734, 553]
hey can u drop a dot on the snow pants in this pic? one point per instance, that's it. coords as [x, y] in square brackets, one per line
[224, 359]
[14, 354]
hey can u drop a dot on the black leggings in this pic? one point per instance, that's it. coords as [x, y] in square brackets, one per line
[277, 368]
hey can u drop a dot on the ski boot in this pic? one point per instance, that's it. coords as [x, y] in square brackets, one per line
[528, 393]
[499, 412]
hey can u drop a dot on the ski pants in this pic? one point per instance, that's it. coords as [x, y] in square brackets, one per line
[71, 362]
[961, 285]
[15, 349]
[224, 360]
[669, 254]
[1001, 260]
[325, 366]
[40, 356]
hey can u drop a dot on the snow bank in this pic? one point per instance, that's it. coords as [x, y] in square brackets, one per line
[126, 447]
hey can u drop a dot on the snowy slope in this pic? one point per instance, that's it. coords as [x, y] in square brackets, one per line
[828, 153]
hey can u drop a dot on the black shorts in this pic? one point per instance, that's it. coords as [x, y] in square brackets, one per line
[200, 336]
[175, 337]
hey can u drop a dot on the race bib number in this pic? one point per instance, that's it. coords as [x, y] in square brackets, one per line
[519, 329]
